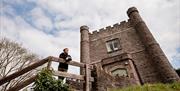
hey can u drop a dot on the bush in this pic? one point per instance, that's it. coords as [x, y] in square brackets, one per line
[46, 82]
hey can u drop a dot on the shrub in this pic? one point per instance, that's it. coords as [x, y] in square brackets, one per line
[46, 82]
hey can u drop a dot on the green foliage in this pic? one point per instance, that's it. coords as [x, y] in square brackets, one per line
[152, 87]
[46, 82]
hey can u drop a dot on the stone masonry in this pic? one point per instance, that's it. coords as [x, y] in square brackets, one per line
[136, 59]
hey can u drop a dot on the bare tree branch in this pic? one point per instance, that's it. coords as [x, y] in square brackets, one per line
[14, 57]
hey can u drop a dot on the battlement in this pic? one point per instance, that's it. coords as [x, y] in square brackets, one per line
[119, 26]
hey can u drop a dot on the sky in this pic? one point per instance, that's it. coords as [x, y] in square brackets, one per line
[45, 27]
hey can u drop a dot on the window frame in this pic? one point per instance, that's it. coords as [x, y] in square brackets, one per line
[118, 45]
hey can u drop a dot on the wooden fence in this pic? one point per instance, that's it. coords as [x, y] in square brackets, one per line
[86, 78]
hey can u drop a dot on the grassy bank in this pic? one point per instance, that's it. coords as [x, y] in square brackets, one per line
[153, 87]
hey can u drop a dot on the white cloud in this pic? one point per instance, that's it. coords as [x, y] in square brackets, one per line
[39, 19]
[35, 39]
[163, 20]
[39, 42]
[161, 16]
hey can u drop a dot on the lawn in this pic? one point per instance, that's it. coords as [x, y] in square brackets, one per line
[152, 87]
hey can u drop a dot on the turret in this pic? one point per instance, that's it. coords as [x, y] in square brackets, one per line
[84, 56]
[159, 60]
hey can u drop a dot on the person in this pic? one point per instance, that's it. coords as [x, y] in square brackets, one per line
[64, 66]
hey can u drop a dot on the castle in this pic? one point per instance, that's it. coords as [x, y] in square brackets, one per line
[125, 54]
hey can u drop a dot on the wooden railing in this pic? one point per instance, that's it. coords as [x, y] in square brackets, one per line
[87, 78]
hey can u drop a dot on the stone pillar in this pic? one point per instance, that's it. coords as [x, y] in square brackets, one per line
[159, 60]
[134, 71]
[84, 56]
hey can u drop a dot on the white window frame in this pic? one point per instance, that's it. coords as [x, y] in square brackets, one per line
[110, 45]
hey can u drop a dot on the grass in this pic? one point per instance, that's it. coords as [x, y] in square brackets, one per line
[152, 87]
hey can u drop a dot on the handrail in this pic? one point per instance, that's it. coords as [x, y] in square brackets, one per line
[49, 59]
[69, 75]
[23, 84]
[35, 65]
[74, 63]
[23, 71]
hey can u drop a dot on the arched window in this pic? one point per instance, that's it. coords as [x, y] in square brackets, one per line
[119, 72]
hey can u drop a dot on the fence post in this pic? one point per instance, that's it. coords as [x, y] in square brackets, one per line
[87, 79]
[49, 64]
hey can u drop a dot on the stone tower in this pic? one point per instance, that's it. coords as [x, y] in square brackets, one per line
[125, 54]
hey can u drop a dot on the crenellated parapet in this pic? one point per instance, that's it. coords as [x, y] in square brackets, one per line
[111, 29]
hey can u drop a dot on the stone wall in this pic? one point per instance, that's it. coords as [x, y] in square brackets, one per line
[135, 39]
[104, 81]
[149, 63]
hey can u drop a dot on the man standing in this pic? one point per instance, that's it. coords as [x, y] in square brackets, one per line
[64, 66]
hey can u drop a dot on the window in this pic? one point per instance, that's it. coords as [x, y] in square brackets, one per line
[119, 72]
[112, 45]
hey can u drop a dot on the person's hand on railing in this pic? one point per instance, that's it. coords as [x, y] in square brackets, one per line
[68, 58]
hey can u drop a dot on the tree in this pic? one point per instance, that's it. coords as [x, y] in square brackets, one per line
[13, 57]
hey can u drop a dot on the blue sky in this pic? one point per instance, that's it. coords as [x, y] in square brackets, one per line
[45, 27]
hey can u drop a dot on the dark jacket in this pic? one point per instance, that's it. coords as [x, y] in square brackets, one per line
[67, 58]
